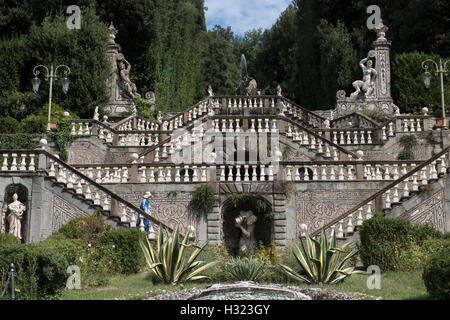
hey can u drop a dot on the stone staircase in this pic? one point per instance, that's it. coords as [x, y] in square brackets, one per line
[396, 199]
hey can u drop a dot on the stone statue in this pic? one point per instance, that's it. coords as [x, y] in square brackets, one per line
[279, 90]
[252, 88]
[210, 91]
[16, 210]
[96, 114]
[124, 70]
[246, 223]
[367, 84]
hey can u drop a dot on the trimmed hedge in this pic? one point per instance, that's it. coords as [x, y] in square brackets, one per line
[436, 274]
[395, 244]
[40, 273]
[127, 254]
[6, 238]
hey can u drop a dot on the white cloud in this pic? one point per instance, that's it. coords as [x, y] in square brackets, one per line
[243, 15]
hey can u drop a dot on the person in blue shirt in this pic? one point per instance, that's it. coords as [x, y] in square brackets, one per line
[145, 206]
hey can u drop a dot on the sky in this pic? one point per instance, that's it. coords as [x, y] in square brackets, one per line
[243, 15]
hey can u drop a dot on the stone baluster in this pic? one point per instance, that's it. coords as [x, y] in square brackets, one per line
[254, 176]
[142, 175]
[387, 200]
[412, 125]
[369, 211]
[23, 163]
[88, 193]
[383, 134]
[222, 173]
[204, 178]
[340, 232]
[363, 137]
[391, 129]
[335, 137]
[124, 175]
[395, 196]
[350, 224]
[359, 219]
[443, 166]
[5, 162]
[14, 162]
[369, 137]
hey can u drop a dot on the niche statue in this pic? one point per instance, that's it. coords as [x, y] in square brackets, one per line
[246, 222]
[16, 210]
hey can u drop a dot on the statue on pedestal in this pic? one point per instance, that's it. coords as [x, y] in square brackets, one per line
[246, 223]
[367, 84]
[16, 210]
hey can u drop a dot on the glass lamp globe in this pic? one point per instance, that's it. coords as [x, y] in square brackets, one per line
[426, 79]
[36, 82]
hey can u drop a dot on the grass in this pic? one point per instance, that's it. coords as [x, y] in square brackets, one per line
[123, 287]
[394, 286]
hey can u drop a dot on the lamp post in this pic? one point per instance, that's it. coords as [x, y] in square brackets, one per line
[441, 70]
[50, 75]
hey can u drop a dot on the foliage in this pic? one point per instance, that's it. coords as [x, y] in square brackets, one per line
[337, 59]
[203, 199]
[409, 91]
[407, 142]
[169, 261]
[385, 240]
[6, 238]
[145, 108]
[9, 125]
[436, 274]
[19, 141]
[40, 273]
[414, 257]
[219, 64]
[321, 261]
[83, 50]
[246, 269]
[375, 114]
[129, 257]
[86, 228]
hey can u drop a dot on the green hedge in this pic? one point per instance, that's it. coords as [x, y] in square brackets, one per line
[396, 244]
[6, 238]
[126, 253]
[19, 141]
[436, 274]
[40, 273]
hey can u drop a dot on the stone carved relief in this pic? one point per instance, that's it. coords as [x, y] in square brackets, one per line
[173, 211]
[81, 152]
[62, 212]
[316, 208]
[430, 211]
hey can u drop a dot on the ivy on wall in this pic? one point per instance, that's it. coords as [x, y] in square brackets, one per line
[62, 137]
[19, 141]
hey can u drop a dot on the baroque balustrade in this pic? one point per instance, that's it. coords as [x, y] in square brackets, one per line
[395, 192]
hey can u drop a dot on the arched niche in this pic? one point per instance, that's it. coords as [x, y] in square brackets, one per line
[22, 193]
[264, 226]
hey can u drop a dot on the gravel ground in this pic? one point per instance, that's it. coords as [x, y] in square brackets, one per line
[314, 293]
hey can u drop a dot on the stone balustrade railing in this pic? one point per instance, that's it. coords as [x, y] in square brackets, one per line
[393, 193]
[315, 142]
[244, 172]
[106, 173]
[169, 173]
[354, 120]
[351, 136]
[18, 160]
[85, 182]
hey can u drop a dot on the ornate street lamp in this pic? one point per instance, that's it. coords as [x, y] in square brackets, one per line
[441, 70]
[50, 75]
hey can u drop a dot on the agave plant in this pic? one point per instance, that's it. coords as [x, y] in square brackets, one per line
[321, 261]
[246, 269]
[169, 261]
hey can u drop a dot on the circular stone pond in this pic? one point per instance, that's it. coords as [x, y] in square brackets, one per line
[248, 290]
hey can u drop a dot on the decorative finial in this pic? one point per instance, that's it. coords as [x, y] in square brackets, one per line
[381, 30]
[112, 33]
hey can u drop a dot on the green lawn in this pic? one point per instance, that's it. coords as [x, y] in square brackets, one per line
[394, 286]
[136, 286]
